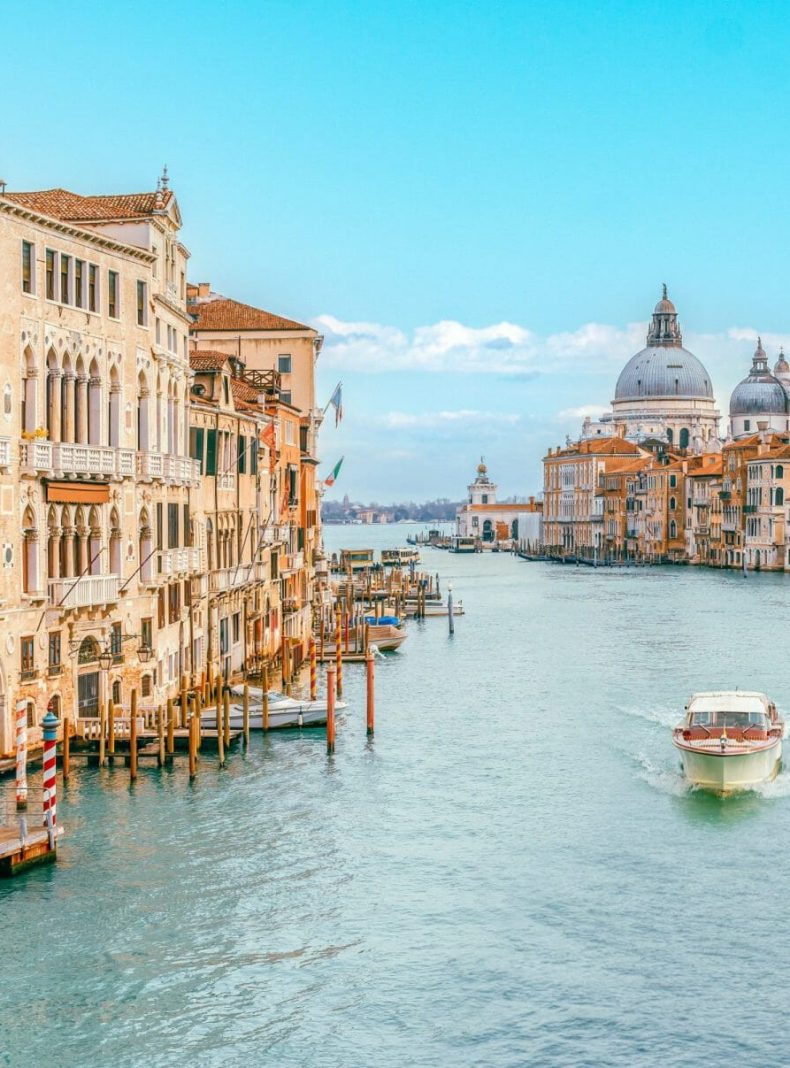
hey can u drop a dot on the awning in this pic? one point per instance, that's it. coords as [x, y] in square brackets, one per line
[78, 492]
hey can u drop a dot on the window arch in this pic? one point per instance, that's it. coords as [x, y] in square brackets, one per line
[115, 543]
[672, 504]
[116, 692]
[89, 651]
[779, 472]
[779, 496]
[29, 393]
[673, 529]
[684, 438]
[145, 548]
[30, 583]
[670, 435]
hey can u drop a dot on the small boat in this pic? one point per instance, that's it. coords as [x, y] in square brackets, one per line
[283, 711]
[729, 740]
[461, 544]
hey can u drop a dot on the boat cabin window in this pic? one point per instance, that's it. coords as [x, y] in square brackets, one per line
[723, 718]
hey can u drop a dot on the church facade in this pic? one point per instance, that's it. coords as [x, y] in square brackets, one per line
[488, 521]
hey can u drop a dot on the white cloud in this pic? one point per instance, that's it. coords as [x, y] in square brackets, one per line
[593, 411]
[510, 349]
[502, 348]
[464, 417]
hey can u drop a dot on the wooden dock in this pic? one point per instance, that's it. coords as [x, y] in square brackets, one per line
[26, 843]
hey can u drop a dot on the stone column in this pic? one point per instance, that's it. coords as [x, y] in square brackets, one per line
[53, 415]
[68, 398]
[83, 558]
[82, 409]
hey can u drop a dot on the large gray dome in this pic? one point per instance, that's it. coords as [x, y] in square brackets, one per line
[759, 393]
[663, 371]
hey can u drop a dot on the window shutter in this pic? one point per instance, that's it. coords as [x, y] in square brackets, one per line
[211, 452]
[242, 454]
[254, 456]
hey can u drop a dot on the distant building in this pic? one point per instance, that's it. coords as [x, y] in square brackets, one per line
[484, 518]
[761, 401]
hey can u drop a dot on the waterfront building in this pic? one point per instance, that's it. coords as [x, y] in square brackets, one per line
[233, 440]
[664, 392]
[99, 556]
[573, 501]
[703, 515]
[262, 343]
[488, 520]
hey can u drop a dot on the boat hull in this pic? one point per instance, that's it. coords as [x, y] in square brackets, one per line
[726, 772]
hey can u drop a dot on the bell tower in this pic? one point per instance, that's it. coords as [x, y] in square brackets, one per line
[482, 490]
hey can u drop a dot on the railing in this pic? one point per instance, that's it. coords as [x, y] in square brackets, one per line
[84, 592]
[69, 458]
[177, 561]
[226, 480]
[5, 452]
[229, 578]
[271, 535]
[749, 509]
[292, 562]
[176, 469]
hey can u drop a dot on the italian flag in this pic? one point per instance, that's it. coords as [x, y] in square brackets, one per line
[332, 476]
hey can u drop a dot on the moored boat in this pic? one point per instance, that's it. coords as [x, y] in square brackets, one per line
[729, 740]
[283, 711]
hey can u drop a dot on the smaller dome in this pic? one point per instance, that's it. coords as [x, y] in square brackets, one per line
[759, 393]
[481, 467]
[781, 367]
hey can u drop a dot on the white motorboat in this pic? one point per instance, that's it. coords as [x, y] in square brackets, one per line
[437, 609]
[283, 711]
[729, 740]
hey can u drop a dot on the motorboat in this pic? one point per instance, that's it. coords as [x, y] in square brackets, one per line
[462, 544]
[729, 740]
[384, 634]
[283, 711]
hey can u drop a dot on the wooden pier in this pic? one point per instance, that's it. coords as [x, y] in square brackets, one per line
[25, 841]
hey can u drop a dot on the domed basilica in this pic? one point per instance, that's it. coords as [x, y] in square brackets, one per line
[762, 400]
[664, 394]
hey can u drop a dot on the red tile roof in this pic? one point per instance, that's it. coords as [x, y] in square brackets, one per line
[71, 207]
[208, 360]
[221, 313]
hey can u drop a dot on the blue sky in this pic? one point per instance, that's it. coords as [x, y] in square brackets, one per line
[476, 203]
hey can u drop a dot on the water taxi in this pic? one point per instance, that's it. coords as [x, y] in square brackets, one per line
[729, 740]
[284, 712]
[462, 544]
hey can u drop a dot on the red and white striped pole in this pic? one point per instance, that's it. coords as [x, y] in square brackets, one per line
[21, 754]
[50, 726]
[313, 671]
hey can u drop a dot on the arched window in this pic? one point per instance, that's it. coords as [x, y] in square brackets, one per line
[143, 444]
[684, 438]
[89, 651]
[779, 497]
[114, 413]
[30, 583]
[145, 548]
[779, 472]
[94, 404]
[670, 435]
[673, 529]
[116, 692]
[115, 543]
[29, 394]
[672, 504]
[673, 481]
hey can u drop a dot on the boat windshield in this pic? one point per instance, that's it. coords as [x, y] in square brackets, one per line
[724, 718]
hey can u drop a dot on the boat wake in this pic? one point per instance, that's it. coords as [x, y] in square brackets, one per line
[663, 779]
[664, 717]
[776, 788]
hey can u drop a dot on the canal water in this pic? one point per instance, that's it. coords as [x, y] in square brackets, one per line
[512, 873]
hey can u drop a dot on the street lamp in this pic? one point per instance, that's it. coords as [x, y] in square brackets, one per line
[144, 654]
[105, 659]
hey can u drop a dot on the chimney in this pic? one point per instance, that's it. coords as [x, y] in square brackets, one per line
[204, 289]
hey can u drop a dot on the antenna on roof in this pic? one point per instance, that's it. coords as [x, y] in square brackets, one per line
[3, 184]
[165, 181]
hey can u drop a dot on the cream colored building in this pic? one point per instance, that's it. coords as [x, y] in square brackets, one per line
[263, 344]
[97, 534]
[491, 521]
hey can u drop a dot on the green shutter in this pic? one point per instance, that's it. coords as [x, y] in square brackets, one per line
[211, 452]
[242, 454]
[254, 456]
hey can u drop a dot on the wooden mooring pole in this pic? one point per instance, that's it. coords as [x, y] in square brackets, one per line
[246, 715]
[133, 738]
[66, 748]
[330, 709]
[370, 667]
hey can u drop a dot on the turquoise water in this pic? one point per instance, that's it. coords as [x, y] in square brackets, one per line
[511, 873]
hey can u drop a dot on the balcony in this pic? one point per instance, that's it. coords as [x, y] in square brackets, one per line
[65, 459]
[749, 509]
[177, 561]
[229, 578]
[274, 534]
[178, 470]
[5, 452]
[291, 562]
[89, 591]
[226, 480]
[724, 495]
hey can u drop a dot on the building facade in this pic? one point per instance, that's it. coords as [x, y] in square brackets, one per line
[490, 521]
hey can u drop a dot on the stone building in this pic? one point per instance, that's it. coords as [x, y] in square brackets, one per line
[98, 544]
[263, 343]
[664, 392]
[483, 517]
